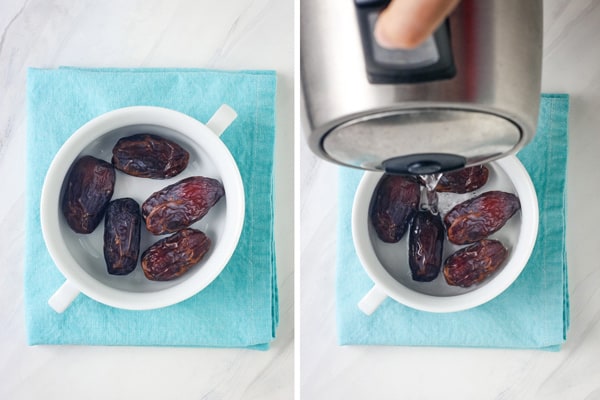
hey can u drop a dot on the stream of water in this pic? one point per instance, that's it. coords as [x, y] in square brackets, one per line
[429, 197]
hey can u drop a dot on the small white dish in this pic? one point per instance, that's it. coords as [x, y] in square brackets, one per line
[80, 257]
[387, 264]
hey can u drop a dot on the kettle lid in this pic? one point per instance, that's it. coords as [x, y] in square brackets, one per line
[421, 140]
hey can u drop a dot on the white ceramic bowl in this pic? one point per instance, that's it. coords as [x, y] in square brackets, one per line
[80, 257]
[387, 264]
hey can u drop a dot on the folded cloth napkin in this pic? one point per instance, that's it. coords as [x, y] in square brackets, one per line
[239, 308]
[532, 313]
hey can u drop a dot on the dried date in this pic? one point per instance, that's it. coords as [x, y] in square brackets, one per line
[179, 205]
[122, 226]
[172, 256]
[394, 204]
[425, 246]
[149, 156]
[88, 188]
[480, 216]
[464, 180]
[473, 264]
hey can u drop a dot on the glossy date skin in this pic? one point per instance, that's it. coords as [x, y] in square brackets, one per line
[475, 263]
[88, 188]
[480, 216]
[122, 227]
[179, 205]
[173, 256]
[463, 181]
[395, 202]
[149, 156]
[425, 246]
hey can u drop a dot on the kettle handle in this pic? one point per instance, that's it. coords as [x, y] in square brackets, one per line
[430, 61]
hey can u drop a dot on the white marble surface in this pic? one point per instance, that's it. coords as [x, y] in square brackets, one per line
[237, 34]
[329, 371]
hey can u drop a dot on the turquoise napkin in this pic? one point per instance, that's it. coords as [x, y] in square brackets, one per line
[239, 309]
[532, 313]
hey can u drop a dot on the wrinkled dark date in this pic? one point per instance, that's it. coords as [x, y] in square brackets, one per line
[464, 180]
[179, 205]
[475, 263]
[122, 226]
[149, 156]
[88, 188]
[395, 201]
[174, 255]
[480, 216]
[425, 246]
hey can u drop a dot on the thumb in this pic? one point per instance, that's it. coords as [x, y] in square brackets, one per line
[406, 23]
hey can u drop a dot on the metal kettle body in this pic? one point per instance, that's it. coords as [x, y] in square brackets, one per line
[366, 108]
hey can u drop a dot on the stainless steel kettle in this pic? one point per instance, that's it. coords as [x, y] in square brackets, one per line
[468, 95]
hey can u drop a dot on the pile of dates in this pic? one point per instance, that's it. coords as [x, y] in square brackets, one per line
[395, 210]
[89, 187]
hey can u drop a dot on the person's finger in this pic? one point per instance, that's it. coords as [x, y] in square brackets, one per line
[406, 23]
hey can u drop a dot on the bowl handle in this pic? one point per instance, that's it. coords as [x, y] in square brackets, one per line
[221, 119]
[63, 297]
[373, 299]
